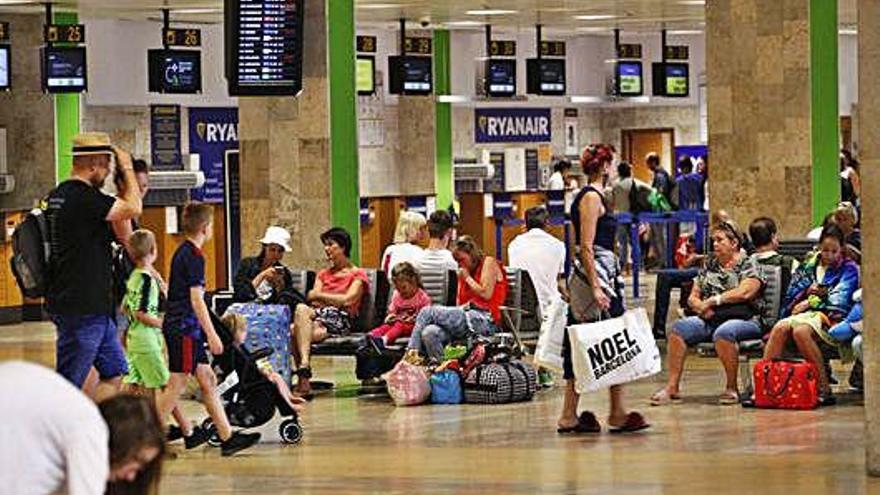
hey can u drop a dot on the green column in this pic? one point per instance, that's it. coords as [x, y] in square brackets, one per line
[344, 192]
[444, 183]
[66, 117]
[825, 134]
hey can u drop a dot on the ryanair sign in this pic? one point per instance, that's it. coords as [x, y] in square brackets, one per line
[512, 125]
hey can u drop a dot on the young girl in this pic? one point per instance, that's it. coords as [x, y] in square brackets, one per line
[408, 299]
[238, 326]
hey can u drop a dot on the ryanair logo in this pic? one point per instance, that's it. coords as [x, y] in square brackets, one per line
[217, 132]
[508, 125]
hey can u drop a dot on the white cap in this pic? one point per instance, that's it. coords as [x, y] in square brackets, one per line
[277, 235]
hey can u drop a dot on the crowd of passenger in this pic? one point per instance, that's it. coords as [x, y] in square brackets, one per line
[168, 329]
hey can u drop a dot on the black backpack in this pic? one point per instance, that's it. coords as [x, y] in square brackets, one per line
[30, 254]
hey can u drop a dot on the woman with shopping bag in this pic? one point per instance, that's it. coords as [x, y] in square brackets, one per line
[596, 288]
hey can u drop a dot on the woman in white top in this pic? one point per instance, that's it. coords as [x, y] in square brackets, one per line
[55, 439]
[557, 180]
[410, 230]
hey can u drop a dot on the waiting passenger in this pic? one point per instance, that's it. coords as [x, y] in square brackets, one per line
[80, 296]
[264, 278]
[482, 289]
[437, 257]
[820, 295]
[409, 232]
[541, 255]
[408, 299]
[850, 183]
[724, 298]
[333, 306]
[620, 194]
[847, 218]
[689, 185]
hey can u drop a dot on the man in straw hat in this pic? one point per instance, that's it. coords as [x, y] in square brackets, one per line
[80, 288]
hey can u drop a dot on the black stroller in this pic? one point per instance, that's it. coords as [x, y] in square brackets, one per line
[249, 398]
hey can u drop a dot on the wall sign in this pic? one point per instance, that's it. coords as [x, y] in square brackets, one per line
[629, 51]
[165, 152]
[212, 132]
[677, 52]
[418, 46]
[72, 33]
[502, 48]
[366, 44]
[512, 125]
[182, 37]
[552, 48]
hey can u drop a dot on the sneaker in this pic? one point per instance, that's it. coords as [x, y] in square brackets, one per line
[238, 442]
[545, 378]
[198, 437]
[174, 433]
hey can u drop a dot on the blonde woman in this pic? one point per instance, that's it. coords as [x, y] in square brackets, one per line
[409, 232]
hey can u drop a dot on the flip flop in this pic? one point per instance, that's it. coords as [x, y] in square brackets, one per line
[587, 423]
[728, 398]
[662, 398]
[634, 422]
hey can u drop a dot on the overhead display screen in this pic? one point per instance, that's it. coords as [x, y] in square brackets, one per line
[629, 78]
[4, 68]
[264, 45]
[546, 76]
[64, 70]
[365, 75]
[410, 75]
[501, 77]
[175, 71]
[677, 80]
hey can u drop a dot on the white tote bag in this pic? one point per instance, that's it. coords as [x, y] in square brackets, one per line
[614, 351]
[549, 351]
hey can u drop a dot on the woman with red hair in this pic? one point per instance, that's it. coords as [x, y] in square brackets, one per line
[597, 276]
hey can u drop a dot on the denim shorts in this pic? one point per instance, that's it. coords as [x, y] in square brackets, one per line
[696, 331]
[85, 341]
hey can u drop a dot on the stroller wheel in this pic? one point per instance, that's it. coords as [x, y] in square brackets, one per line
[214, 439]
[291, 432]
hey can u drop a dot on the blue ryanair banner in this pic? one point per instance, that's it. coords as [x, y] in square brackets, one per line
[212, 131]
[512, 125]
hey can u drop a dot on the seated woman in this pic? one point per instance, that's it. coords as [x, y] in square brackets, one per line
[409, 231]
[847, 218]
[264, 278]
[820, 295]
[482, 289]
[333, 304]
[724, 297]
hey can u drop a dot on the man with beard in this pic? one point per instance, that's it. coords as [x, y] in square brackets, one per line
[80, 278]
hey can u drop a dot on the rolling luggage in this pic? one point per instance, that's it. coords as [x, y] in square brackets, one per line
[268, 327]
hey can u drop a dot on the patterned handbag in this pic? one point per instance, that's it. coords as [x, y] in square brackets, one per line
[785, 384]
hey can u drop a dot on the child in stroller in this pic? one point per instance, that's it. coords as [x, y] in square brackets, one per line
[251, 391]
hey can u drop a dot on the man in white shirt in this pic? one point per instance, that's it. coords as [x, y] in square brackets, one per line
[437, 257]
[541, 255]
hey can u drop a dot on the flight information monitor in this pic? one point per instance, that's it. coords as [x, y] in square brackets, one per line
[410, 75]
[365, 75]
[629, 78]
[546, 76]
[5, 68]
[264, 47]
[677, 80]
[64, 70]
[175, 71]
[501, 77]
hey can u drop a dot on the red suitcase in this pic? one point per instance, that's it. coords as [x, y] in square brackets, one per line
[783, 384]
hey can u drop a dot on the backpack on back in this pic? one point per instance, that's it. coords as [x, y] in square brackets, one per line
[30, 254]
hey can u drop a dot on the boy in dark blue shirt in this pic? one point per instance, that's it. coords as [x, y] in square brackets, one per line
[187, 329]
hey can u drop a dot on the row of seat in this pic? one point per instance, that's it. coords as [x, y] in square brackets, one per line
[521, 311]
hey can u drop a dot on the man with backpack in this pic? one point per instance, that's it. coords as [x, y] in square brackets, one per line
[79, 292]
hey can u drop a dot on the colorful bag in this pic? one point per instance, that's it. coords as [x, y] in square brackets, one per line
[268, 326]
[446, 388]
[408, 384]
[500, 383]
[474, 358]
[614, 351]
[784, 384]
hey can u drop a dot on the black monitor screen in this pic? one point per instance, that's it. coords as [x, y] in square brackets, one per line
[5, 68]
[546, 76]
[64, 70]
[677, 80]
[175, 71]
[411, 75]
[629, 78]
[501, 77]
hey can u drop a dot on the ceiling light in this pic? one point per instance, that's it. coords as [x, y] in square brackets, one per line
[17, 2]
[463, 24]
[196, 11]
[692, 2]
[593, 29]
[684, 32]
[594, 17]
[491, 12]
[849, 32]
[379, 6]
[587, 99]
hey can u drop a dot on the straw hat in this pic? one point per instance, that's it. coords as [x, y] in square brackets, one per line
[92, 143]
[277, 235]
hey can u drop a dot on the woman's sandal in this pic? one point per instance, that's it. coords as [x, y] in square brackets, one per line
[587, 423]
[634, 422]
[728, 398]
[662, 398]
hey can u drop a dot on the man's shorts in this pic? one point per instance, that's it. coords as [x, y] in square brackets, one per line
[185, 352]
[85, 341]
[147, 369]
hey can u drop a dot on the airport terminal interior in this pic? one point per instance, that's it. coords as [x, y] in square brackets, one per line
[439, 246]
